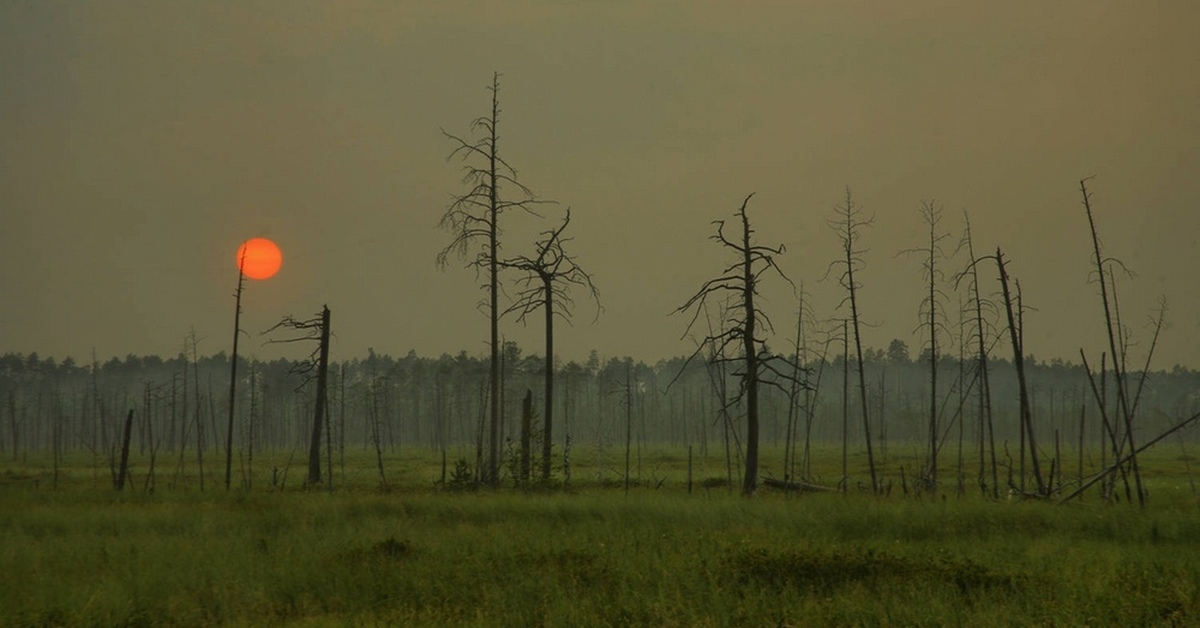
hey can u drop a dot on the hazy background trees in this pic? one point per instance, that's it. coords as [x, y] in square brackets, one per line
[440, 403]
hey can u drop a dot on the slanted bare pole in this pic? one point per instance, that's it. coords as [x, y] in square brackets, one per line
[1019, 361]
[237, 318]
[1128, 458]
[1118, 357]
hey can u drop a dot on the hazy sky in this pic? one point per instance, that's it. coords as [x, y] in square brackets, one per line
[142, 142]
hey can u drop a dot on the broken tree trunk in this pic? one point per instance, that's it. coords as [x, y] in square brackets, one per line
[314, 446]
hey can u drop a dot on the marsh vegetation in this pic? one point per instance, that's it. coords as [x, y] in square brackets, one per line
[591, 554]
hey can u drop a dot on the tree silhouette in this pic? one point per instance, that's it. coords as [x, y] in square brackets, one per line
[473, 217]
[934, 320]
[237, 330]
[317, 366]
[738, 284]
[847, 222]
[546, 285]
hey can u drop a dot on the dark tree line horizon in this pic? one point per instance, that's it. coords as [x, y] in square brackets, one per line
[440, 404]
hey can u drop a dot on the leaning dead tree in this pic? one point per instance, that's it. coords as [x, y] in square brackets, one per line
[1116, 346]
[233, 360]
[316, 367]
[545, 285]
[738, 286]
[473, 218]
[1016, 333]
[847, 222]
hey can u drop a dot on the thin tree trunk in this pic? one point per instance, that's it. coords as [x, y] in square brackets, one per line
[123, 469]
[548, 424]
[845, 404]
[789, 456]
[750, 481]
[526, 436]
[854, 317]
[493, 475]
[1118, 361]
[1120, 462]
[628, 418]
[237, 317]
[1019, 361]
[314, 443]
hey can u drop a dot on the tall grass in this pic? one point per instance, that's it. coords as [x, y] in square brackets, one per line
[86, 555]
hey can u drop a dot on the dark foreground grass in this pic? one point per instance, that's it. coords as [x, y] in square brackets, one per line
[82, 555]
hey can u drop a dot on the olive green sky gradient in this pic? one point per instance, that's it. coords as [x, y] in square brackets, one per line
[141, 142]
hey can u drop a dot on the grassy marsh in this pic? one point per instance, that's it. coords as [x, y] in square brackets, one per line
[82, 554]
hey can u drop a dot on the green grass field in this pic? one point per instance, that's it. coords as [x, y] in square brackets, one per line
[81, 554]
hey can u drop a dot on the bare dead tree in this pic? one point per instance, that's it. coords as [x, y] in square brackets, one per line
[315, 368]
[123, 471]
[1120, 463]
[793, 394]
[848, 221]
[237, 330]
[1103, 270]
[981, 333]
[934, 322]
[199, 407]
[812, 396]
[803, 388]
[738, 284]
[1016, 333]
[545, 285]
[473, 218]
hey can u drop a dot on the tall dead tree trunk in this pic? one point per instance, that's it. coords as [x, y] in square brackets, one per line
[314, 445]
[933, 357]
[741, 278]
[315, 368]
[1118, 356]
[237, 317]
[548, 277]
[123, 470]
[930, 255]
[198, 412]
[750, 349]
[475, 215]
[848, 222]
[547, 420]
[1015, 334]
[985, 391]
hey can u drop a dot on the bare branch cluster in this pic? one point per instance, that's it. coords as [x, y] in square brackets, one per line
[307, 330]
[548, 277]
[735, 290]
[848, 221]
[472, 216]
[932, 304]
[733, 285]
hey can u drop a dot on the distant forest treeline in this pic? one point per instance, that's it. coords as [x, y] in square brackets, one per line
[180, 403]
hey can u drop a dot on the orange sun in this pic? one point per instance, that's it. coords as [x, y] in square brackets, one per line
[259, 258]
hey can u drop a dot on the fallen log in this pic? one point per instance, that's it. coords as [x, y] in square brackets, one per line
[1118, 464]
[797, 486]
